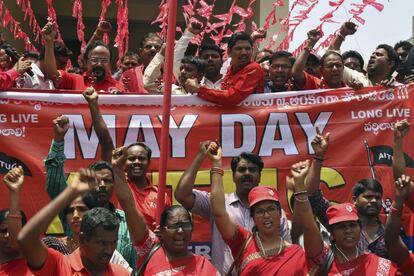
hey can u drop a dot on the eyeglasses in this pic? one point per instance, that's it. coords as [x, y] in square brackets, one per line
[186, 226]
[261, 212]
[150, 46]
[96, 60]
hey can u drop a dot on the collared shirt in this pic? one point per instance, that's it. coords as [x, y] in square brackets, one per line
[208, 83]
[220, 252]
[146, 201]
[350, 76]
[375, 245]
[236, 86]
[152, 76]
[179, 51]
[270, 88]
[56, 183]
[71, 81]
[59, 264]
[7, 79]
[38, 80]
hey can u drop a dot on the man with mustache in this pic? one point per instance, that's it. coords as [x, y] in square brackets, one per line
[102, 192]
[280, 75]
[98, 237]
[97, 59]
[331, 70]
[243, 78]
[246, 168]
[366, 195]
[381, 65]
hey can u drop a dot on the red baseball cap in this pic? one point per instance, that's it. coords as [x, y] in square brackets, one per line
[341, 212]
[260, 193]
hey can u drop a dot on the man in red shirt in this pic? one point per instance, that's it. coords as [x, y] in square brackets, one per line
[243, 78]
[144, 192]
[97, 58]
[98, 237]
[331, 71]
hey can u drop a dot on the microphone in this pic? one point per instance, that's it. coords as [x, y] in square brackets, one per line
[13, 55]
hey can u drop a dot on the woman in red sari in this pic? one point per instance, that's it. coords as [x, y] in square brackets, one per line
[263, 251]
[345, 231]
[171, 257]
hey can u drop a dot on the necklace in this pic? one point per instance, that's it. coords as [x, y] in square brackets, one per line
[268, 253]
[343, 254]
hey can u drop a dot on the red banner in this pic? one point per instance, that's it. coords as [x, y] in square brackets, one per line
[279, 127]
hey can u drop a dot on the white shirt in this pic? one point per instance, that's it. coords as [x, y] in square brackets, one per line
[38, 81]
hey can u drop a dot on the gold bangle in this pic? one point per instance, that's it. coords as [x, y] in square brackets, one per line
[217, 170]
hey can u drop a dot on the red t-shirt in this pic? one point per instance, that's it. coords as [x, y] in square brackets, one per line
[71, 81]
[160, 265]
[58, 264]
[135, 81]
[235, 87]
[7, 78]
[312, 83]
[15, 267]
[146, 202]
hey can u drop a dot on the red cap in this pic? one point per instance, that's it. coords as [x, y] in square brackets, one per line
[341, 212]
[260, 193]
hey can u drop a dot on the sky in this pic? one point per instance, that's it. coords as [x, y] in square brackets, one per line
[393, 24]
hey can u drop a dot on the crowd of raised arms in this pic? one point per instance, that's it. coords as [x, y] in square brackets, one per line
[108, 210]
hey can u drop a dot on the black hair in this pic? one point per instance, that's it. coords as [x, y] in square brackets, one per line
[168, 212]
[148, 36]
[98, 217]
[143, 145]
[275, 202]
[252, 157]
[101, 165]
[212, 47]
[282, 54]
[196, 61]
[130, 54]
[5, 212]
[31, 54]
[392, 55]
[87, 199]
[59, 49]
[364, 185]
[92, 46]
[353, 54]
[328, 53]
[315, 58]
[239, 36]
[263, 51]
[406, 45]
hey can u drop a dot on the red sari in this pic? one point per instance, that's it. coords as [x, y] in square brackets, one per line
[15, 267]
[366, 264]
[291, 261]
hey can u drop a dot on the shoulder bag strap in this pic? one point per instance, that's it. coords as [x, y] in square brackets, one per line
[236, 260]
[147, 258]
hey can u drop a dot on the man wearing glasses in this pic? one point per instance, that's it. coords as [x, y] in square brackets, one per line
[97, 59]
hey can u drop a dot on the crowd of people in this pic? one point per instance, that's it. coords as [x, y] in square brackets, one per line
[108, 210]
